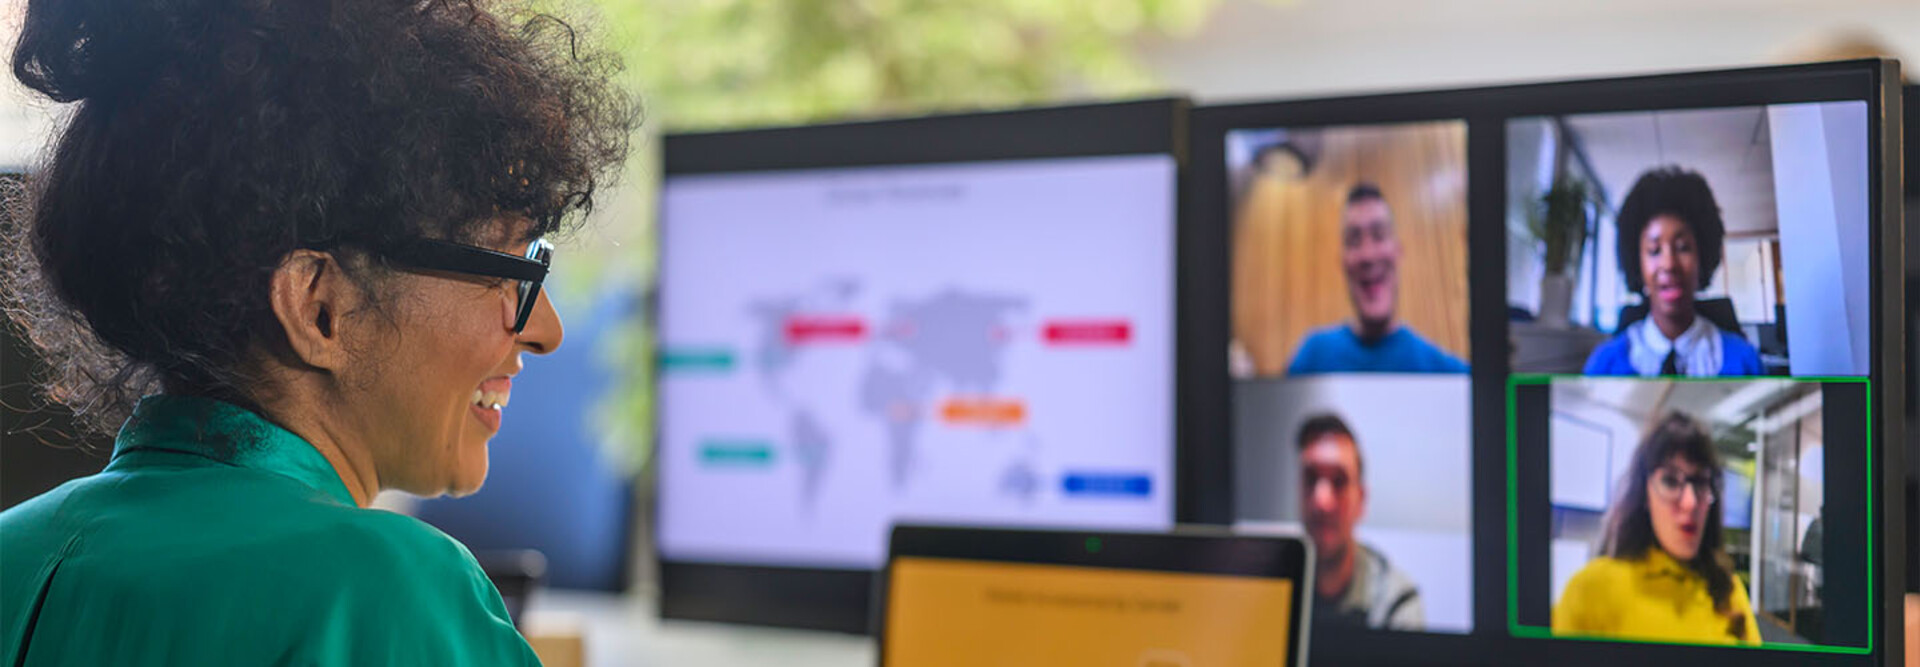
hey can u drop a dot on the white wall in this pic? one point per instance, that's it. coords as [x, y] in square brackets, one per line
[1824, 241]
[1413, 432]
[1266, 48]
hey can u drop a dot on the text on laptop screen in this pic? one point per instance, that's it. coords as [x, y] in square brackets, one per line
[958, 612]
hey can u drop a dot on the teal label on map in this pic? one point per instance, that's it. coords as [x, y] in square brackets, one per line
[695, 360]
[736, 453]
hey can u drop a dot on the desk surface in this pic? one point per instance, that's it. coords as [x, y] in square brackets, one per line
[625, 630]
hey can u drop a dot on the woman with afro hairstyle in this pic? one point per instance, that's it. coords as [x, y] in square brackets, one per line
[293, 250]
[1670, 244]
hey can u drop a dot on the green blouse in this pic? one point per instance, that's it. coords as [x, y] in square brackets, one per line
[214, 537]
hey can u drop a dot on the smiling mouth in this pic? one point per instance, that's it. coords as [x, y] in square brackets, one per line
[1371, 286]
[489, 400]
[1667, 292]
[493, 394]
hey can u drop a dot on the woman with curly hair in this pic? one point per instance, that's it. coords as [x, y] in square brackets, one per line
[295, 250]
[1670, 242]
[1664, 573]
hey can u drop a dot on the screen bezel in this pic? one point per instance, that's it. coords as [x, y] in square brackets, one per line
[1205, 206]
[1910, 109]
[838, 599]
[1187, 550]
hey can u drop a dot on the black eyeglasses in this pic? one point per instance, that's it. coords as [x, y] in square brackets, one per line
[1668, 484]
[531, 270]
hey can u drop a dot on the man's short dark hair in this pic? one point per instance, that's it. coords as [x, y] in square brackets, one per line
[1364, 191]
[1325, 424]
[1678, 192]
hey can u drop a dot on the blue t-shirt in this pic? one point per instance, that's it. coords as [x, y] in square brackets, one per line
[1614, 357]
[1336, 349]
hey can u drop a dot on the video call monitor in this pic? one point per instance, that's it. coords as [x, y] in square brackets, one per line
[1578, 373]
[958, 596]
[960, 319]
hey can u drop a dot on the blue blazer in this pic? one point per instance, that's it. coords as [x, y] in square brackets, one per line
[1738, 357]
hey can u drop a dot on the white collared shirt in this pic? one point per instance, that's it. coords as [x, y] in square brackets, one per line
[1698, 348]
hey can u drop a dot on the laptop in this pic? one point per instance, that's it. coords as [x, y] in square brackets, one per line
[974, 596]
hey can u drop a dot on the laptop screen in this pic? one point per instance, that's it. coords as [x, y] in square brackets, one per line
[975, 612]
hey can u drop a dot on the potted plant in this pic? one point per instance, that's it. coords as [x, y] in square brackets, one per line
[1558, 224]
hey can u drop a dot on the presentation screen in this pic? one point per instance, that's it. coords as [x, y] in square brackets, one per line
[986, 343]
[965, 319]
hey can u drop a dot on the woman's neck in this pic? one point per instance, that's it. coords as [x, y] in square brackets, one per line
[1673, 327]
[356, 472]
[298, 410]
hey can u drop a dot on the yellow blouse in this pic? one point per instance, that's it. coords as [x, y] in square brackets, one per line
[1653, 597]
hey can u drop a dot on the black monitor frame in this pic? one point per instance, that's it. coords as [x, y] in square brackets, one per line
[1205, 205]
[1911, 111]
[839, 599]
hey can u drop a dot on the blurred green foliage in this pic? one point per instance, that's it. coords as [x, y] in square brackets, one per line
[706, 64]
[710, 63]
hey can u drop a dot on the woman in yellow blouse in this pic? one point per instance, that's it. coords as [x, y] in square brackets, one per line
[1665, 575]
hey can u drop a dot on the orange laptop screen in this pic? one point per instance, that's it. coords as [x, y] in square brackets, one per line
[961, 612]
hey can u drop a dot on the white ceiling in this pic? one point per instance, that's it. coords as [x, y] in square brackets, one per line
[1729, 147]
[1642, 400]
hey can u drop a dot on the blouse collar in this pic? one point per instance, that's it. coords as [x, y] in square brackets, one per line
[226, 434]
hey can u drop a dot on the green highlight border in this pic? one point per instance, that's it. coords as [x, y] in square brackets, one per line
[1516, 629]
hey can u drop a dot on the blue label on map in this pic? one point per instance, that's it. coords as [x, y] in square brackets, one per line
[1107, 484]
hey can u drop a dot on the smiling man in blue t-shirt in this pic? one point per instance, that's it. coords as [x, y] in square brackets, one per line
[1375, 341]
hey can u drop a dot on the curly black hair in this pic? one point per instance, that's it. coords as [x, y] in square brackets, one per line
[212, 137]
[1670, 190]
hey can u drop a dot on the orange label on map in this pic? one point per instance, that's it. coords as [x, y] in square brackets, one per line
[984, 412]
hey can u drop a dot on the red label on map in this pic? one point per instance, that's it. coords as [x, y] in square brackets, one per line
[1089, 332]
[825, 330]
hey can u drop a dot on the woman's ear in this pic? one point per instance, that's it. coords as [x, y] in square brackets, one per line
[309, 291]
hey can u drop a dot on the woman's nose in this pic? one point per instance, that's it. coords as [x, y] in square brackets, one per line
[543, 332]
[1689, 499]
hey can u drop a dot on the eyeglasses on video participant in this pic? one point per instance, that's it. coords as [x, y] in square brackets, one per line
[1665, 574]
[1376, 340]
[1671, 240]
[310, 235]
[1354, 585]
